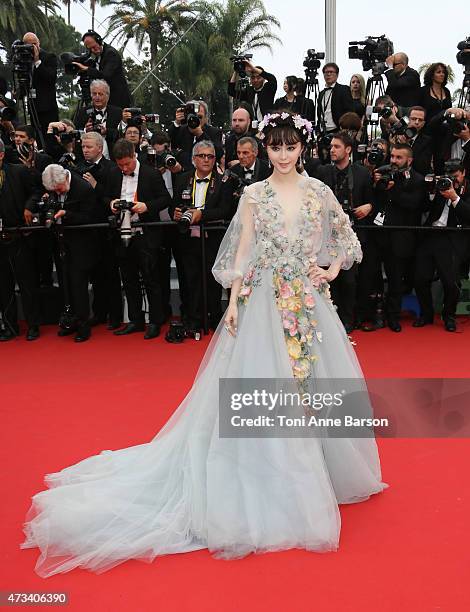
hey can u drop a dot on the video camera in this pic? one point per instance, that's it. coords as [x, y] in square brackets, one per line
[191, 110]
[374, 52]
[22, 61]
[137, 118]
[69, 68]
[392, 173]
[47, 207]
[312, 59]
[463, 55]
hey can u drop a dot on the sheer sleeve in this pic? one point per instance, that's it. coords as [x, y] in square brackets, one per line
[339, 241]
[237, 248]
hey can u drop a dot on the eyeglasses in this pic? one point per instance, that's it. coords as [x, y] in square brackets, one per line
[205, 155]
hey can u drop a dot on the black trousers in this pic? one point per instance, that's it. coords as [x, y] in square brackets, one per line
[190, 248]
[436, 253]
[171, 248]
[380, 251]
[136, 261]
[46, 117]
[17, 262]
[343, 293]
[106, 281]
[78, 276]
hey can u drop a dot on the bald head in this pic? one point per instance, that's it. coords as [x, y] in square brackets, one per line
[241, 121]
[30, 38]
[400, 62]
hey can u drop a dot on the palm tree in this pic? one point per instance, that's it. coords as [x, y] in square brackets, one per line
[20, 16]
[422, 69]
[68, 4]
[148, 22]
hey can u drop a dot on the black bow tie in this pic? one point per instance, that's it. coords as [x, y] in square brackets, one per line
[247, 171]
[327, 88]
[131, 174]
[204, 180]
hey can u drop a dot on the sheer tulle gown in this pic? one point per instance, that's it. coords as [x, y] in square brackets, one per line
[188, 488]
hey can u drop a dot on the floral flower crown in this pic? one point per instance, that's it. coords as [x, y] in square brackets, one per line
[297, 122]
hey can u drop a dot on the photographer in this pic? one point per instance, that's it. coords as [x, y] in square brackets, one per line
[43, 82]
[399, 198]
[451, 134]
[61, 142]
[201, 196]
[390, 114]
[443, 251]
[404, 86]
[352, 186]
[17, 257]
[241, 127]
[26, 152]
[191, 125]
[76, 205]
[108, 66]
[333, 101]
[259, 94]
[417, 139]
[101, 116]
[137, 193]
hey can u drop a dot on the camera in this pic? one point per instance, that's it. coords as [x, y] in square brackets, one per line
[453, 124]
[22, 58]
[96, 119]
[238, 182]
[67, 137]
[7, 113]
[463, 55]
[123, 205]
[176, 332]
[239, 64]
[374, 52]
[392, 173]
[84, 167]
[401, 127]
[440, 183]
[47, 207]
[376, 155]
[69, 68]
[312, 59]
[185, 220]
[165, 159]
[191, 111]
[137, 118]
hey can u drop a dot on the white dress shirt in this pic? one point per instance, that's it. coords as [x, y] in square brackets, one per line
[326, 104]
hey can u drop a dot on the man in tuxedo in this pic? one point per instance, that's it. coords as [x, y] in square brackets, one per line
[353, 188]
[259, 94]
[421, 143]
[43, 82]
[202, 194]
[396, 202]
[17, 262]
[250, 168]
[76, 206]
[333, 101]
[403, 82]
[108, 66]
[183, 137]
[101, 116]
[139, 247]
[105, 279]
[443, 251]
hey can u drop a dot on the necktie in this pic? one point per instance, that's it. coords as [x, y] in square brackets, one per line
[204, 180]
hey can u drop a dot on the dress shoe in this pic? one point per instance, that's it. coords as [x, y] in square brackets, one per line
[6, 334]
[68, 331]
[83, 333]
[367, 326]
[130, 328]
[449, 324]
[421, 322]
[113, 325]
[153, 331]
[33, 332]
[394, 326]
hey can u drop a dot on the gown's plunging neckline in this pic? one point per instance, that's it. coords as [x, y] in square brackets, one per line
[288, 228]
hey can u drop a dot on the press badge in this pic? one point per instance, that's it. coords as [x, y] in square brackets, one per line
[186, 195]
[379, 219]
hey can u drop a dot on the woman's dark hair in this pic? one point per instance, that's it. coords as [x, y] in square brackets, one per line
[428, 75]
[350, 121]
[291, 82]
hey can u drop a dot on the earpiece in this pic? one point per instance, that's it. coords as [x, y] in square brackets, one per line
[94, 35]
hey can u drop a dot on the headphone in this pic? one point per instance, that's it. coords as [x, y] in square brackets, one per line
[94, 35]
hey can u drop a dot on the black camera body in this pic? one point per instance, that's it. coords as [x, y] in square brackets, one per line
[84, 167]
[374, 52]
[312, 59]
[96, 119]
[239, 63]
[463, 55]
[191, 110]
[165, 159]
[453, 124]
[137, 118]
[401, 128]
[69, 68]
[123, 205]
[22, 58]
[376, 155]
[67, 137]
[391, 173]
[46, 209]
[436, 182]
[186, 218]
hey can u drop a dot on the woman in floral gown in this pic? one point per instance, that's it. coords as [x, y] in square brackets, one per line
[190, 488]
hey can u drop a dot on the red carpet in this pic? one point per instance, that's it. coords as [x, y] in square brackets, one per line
[407, 549]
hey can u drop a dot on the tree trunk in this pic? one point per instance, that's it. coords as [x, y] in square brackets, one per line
[153, 62]
[93, 7]
[68, 11]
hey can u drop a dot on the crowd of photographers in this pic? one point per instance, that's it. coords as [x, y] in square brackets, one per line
[116, 169]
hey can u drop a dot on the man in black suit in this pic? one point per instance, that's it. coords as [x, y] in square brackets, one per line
[107, 296]
[451, 133]
[259, 94]
[139, 248]
[241, 127]
[333, 101]
[75, 206]
[398, 202]
[101, 116]
[16, 252]
[352, 186]
[443, 251]
[183, 137]
[421, 143]
[204, 196]
[43, 82]
[108, 66]
[403, 82]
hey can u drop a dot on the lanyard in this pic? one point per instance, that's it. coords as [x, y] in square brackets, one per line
[205, 191]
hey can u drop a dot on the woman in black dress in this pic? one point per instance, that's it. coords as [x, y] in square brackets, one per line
[435, 97]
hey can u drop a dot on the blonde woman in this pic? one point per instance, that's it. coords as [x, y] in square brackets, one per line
[358, 93]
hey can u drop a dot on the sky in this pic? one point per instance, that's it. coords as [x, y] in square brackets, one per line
[425, 30]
